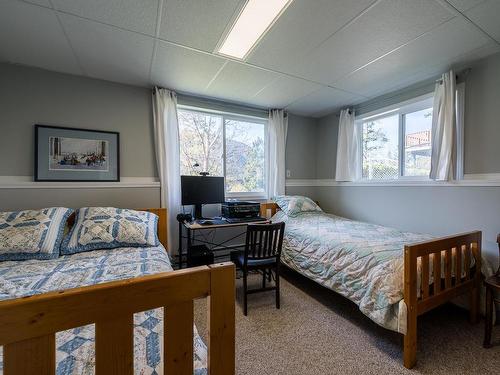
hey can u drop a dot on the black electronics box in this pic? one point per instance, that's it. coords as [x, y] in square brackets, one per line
[239, 209]
[199, 255]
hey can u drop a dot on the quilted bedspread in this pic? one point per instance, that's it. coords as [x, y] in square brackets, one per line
[361, 261]
[75, 348]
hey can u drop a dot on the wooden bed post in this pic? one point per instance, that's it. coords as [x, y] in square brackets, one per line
[410, 298]
[270, 207]
[475, 292]
[221, 319]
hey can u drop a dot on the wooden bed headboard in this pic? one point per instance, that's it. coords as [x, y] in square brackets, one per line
[268, 209]
[162, 223]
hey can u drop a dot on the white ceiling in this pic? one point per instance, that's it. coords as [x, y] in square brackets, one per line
[320, 55]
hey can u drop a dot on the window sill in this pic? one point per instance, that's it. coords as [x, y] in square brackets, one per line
[492, 179]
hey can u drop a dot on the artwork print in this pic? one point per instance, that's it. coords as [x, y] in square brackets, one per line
[76, 154]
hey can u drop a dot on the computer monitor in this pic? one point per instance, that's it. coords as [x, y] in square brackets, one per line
[198, 190]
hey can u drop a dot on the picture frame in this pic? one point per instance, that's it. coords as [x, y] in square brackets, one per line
[65, 154]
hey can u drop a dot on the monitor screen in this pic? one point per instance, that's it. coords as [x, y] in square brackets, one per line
[202, 190]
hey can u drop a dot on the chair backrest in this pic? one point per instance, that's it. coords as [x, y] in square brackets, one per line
[264, 240]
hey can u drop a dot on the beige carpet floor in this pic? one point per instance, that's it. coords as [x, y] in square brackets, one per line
[317, 331]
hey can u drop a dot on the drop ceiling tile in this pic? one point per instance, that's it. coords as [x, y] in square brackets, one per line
[195, 23]
[303, 26]
[387, 25]
[109, 53]
[132, 15]
[445, 45]
[486, 15]
[323, 102]
[183, 69]
[463, 62]
[239, 82]
[464, 5]
[32, 35]
[43, 3]
[283, 91]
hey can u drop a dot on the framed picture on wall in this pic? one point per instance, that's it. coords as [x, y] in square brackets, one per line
[71, 154]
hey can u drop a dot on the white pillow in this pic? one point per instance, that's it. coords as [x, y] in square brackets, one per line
[293, 205]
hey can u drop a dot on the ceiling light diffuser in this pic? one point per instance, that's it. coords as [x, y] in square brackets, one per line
[256, 17]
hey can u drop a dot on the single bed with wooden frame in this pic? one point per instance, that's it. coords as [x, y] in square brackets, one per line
[437, 293]
[28, 325]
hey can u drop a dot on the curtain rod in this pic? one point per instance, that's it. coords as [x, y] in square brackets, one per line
[463, 74]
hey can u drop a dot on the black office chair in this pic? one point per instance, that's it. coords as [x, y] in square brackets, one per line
[262, 252]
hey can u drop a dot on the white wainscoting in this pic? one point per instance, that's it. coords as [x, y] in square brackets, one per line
[26, 182]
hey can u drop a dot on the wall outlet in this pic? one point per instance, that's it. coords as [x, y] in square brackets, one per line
[288, 174]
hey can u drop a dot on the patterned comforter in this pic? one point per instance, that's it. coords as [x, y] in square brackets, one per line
[75, 348]
[361, 261]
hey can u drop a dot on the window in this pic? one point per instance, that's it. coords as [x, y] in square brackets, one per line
[417, 142]
[380, 148]
[226, 145]
[397, 144]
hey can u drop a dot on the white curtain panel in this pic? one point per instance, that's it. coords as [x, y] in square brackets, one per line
[443, 128]
[347, 168]
[276, 174]
[166, 136]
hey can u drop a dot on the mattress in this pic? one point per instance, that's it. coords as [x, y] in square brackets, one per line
[75, 350]
[361, 261]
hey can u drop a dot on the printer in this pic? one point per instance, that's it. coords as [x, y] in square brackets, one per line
[240, 209]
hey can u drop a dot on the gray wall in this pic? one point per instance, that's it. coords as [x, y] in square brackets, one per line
[482, 117]
[130, 197]
[31, 96]
[301, 147]
[326, 150]
[430, 209]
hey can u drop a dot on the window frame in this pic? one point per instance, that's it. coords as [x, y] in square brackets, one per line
[401, 109]
[244, 118]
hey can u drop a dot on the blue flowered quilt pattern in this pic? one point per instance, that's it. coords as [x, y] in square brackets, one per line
[32, 234]
[361, 261]
[75, 348]
[109, 228]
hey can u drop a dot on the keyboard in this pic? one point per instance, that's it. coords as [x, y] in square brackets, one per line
[235, 220]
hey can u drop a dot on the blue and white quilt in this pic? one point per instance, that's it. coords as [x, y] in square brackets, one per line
[361, 261]
[75, 348]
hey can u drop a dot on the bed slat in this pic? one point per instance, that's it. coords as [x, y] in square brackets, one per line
[437, 272]
[425, 276]
[178, 339]
[458, 265]
[114, 346]
[31, 356]
[447, 264]
[467, 262]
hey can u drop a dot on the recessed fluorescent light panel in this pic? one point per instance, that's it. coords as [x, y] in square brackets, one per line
[256, 17]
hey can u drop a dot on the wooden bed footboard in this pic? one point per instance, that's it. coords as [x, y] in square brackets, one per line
[460, 252]
[28, 325]
[460, 257]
